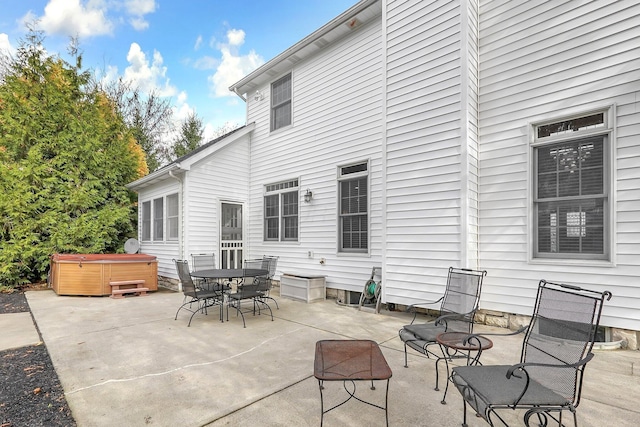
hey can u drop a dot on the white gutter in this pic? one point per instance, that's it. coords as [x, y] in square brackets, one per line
[235, 90]
[153, 176]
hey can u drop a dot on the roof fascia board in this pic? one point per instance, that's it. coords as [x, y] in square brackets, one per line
[155, 176]
[185, 165]
[217, 146]
[312, 38]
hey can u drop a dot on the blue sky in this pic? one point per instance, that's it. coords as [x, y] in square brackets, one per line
[190, 50]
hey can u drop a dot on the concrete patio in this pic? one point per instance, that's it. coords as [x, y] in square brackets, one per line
[128, 362]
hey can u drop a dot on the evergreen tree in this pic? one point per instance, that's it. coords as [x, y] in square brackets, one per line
[190, 136]
[65, 157]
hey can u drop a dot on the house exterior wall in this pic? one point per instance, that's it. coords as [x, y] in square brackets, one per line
[337, 120]
[540, 61]
[164, 250]
[439, 97]
[431, 153]
[222, 177]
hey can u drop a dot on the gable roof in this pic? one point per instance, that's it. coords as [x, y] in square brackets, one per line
[184, 163]
[361, 13]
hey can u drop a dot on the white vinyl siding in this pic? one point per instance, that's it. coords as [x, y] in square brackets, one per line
[337, 120]
[210, 182]
[540, 61]
[431, 154]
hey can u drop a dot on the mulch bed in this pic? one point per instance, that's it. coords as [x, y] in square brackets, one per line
[30, 391]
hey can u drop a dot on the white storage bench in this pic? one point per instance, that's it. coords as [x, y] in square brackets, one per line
[303, 287]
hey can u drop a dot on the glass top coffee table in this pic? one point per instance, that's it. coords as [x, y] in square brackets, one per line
[350, 361]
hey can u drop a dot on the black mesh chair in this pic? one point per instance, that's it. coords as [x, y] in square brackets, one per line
[457, 310]
[556, 348]
[203, 261]
[251, 289]
[270, 263]
[196, 300]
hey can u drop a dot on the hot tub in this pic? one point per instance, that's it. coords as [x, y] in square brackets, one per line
[90, 274]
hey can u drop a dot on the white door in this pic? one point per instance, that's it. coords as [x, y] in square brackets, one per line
[231, 242]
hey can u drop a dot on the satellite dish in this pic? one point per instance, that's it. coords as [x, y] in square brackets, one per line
[131, 246]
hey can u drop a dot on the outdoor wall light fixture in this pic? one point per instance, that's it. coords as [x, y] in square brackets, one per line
[308, 196]
[258, 96]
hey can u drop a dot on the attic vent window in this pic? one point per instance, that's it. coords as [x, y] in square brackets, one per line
[346, 170]
[573, 125]
[281, 185]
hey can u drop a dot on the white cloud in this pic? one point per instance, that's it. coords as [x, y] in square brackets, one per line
[181, 109]
[139, 24]
[90, 18]
[232, 66]
[5, 45]
[206, 63]
[236, 37]
[148, 76]
[198, 43]
[70, 17]
[139, 8]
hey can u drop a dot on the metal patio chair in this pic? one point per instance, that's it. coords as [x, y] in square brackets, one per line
[251, 289]
[457, 310]
[195, 299]
[270, 262]
[203, 261]
[555, 351]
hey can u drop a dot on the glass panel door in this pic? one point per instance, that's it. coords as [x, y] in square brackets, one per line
[231, 236]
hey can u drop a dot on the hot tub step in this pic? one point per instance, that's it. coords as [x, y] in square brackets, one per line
[117, 292]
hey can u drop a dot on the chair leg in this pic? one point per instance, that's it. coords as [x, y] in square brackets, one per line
[267, 305]
[464, 413]
[238, 311]
[273, 299]
[406, 365]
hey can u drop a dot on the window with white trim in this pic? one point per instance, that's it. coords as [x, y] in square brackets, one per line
[281, 102]
[146, 221]
[281, 211]
[172, 217]
[353, 215]
[156, 221]
[571, 188]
